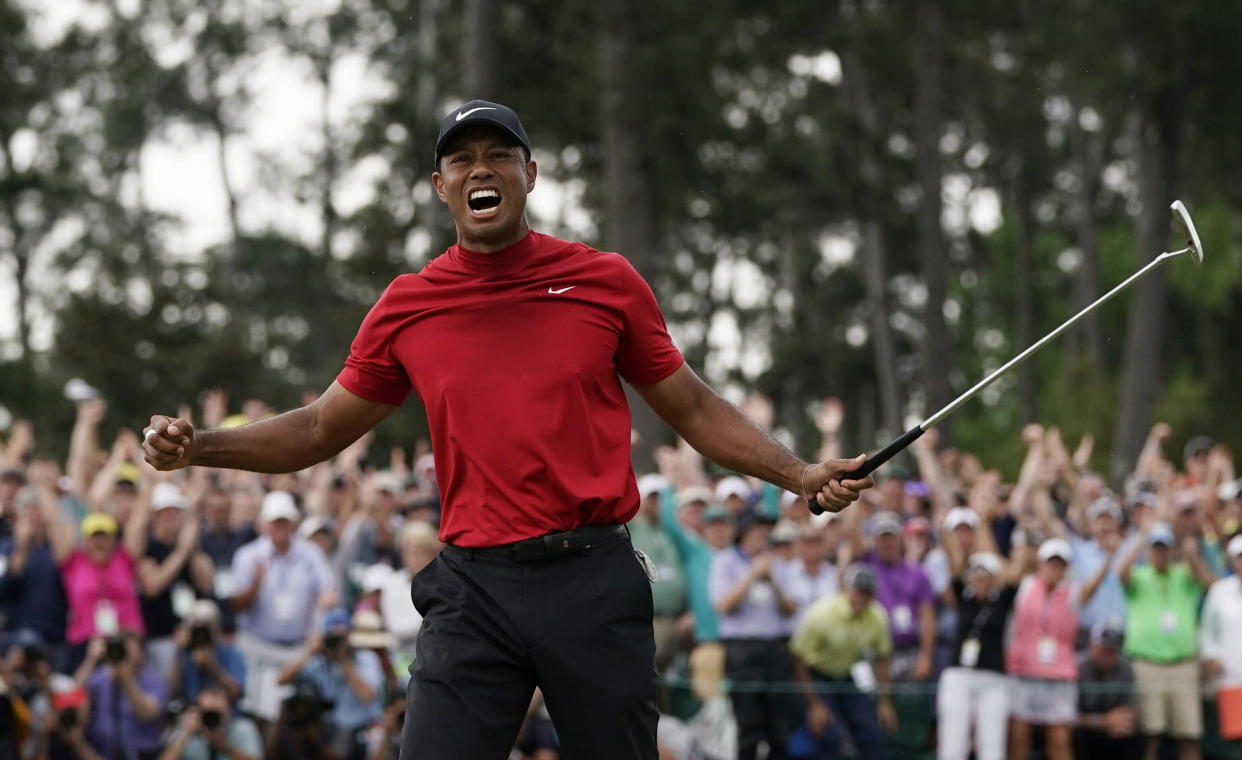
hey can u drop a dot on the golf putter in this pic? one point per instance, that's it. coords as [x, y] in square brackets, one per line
[1180, 215]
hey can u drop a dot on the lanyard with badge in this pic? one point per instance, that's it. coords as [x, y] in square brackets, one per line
[1168, 618]
[969, 654]
[1046, 648]
[284, 606]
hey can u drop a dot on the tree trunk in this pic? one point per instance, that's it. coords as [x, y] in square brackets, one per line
[884, 347]
[1024, 300]
[629, 214]
[1159, 143]
[479, 50]
[1087, 337]
[929, 116]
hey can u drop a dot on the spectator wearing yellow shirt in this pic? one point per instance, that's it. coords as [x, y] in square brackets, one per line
[841, 654]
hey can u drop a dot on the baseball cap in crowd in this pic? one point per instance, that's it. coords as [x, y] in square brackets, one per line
[716, 513]
[1234, 548]
[959, 516]
[336, 619]
[279, 505]
[314, 524]
[916, 525]
[375, 577]
[387, 482]
[480, 112]
[785, 532]
[732, 486]
[987, 562]
[1161, 533]
[691, 494]
[885, 523]
[203, 611]
[98, 522]
[751, 518]
[1142, 498]
[128, 473]
[1105, 505]
[860, 577]
[1107, 634]
[893, 472]
[651, 484]
[167, 496]
[1229, 490]
[367, 631]
[1200, 444]
[1054, 548]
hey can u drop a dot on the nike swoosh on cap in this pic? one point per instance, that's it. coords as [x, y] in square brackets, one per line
[464, 114]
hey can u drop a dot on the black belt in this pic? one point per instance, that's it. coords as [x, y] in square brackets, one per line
[551, 545]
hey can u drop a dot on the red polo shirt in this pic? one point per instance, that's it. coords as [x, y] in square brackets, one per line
[516, 357]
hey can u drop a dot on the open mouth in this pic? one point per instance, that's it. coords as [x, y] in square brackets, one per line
[483, 202]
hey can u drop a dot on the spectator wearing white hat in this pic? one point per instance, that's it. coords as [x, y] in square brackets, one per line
[1163, 604]
[1218, 632]
[733, 494]
[668, 592]
[204, 658]
[281, 581]
[171, 573]
[974, 688]
[1041, 657]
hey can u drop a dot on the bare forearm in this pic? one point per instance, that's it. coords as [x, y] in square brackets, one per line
[286, 443]
[734, 596]
[723, 434]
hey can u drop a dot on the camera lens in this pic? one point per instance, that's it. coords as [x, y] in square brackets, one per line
[68, 718]
[115, 651]
[212, 718]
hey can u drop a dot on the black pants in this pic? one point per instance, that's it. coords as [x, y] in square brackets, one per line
[577, 626]
[761, 671]
[1091, 743]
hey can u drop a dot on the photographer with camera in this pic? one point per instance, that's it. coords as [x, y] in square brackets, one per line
[203, 658]
[348, 677]
[210, 730]
[300, 732]
[127, 698]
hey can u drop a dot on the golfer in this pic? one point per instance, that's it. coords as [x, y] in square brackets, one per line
[516, 344]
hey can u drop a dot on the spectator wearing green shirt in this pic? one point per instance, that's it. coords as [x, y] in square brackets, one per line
[668, 592]
[1162, 602]
[841, 654]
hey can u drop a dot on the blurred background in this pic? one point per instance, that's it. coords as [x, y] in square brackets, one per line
[879, 201]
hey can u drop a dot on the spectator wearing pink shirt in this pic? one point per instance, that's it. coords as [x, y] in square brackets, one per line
[1041, 656]
[99, 577]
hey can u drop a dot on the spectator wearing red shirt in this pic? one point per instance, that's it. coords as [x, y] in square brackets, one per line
[516, 344]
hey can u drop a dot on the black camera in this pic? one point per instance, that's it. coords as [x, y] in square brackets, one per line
[304, 707]
[212, 719]
[200, 636]
[115, 651]
[67, 719]
[333, 641]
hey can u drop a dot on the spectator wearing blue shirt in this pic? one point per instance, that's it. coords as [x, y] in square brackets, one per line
[1094, 570]
[204, 658]
[346, 676]
[281, 582]
[32, 598]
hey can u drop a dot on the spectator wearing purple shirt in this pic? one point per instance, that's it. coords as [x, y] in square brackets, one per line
[754, 609]
[905, 592]
[127, 699]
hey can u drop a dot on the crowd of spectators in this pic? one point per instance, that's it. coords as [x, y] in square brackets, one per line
[212, 613]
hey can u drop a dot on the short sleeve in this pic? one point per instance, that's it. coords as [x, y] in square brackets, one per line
[371, 370]
[645, 352]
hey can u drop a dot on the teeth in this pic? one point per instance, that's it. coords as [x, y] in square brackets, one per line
[484, 194]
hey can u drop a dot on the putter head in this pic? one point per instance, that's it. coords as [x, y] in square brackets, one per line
[1182, 217]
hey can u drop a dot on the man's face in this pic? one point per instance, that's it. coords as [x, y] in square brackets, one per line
[964, 535]
[280, 531]
[812, 547]
[212, 701]
[718, 533]
[216, 506]
[888, 547]
[167, 521]
[757, 538]
[1102, 526]
[1104, 658]
[1237, 565]
[859, 600]
[484, 178]
[1158, 556]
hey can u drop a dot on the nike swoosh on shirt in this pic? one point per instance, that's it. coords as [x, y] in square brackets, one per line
[562, 290]
[464, 114]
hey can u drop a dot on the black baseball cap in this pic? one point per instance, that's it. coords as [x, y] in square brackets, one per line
[481, 112]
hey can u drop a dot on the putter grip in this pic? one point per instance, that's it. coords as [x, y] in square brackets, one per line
[873, 462]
